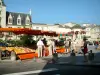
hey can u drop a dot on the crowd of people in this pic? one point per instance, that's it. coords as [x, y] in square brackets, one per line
[70, 45]
[41, 44]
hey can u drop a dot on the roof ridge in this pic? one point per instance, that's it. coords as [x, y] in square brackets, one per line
[18, 13]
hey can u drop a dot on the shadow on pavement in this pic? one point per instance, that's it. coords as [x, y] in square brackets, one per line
[65, 68]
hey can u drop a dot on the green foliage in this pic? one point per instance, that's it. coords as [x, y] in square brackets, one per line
[1, 40]
[33, 42]
[26, 40]
[18, 43]
[61, 47]
[98, 38]
[76, 26]
[88, 36]
[11, 42]
[85, 38]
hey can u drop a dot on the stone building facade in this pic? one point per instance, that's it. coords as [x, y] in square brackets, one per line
[13, 19]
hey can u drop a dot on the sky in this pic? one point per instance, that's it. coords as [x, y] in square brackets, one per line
[58, 11]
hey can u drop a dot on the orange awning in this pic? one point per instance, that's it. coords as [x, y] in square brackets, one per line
[10, 29]
[27, 31]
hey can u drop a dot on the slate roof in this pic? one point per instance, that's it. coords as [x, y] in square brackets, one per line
[15, 16]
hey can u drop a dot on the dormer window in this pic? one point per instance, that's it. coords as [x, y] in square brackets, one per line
[10, 19]
[27, 20]
[19, 20]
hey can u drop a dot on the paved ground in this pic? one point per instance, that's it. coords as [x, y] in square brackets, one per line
[30, 67]
[79, 59]
[42, 66]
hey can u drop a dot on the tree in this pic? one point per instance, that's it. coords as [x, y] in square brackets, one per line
[76, 26]
[26, 40]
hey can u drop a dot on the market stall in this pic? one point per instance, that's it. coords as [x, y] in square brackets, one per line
[24, 52]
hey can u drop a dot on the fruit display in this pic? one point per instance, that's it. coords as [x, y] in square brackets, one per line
[18, 50]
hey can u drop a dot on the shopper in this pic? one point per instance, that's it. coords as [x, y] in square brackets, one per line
[85, 49]
[40, 46]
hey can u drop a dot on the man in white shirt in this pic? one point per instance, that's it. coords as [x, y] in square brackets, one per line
[40, 46]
